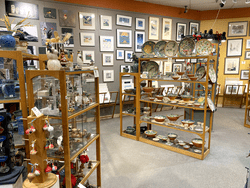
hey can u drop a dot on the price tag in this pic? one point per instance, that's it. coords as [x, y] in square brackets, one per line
[96, 73]
[81, 185]
[36, 111]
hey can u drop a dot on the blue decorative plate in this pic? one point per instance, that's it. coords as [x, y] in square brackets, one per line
[148, 48]
[159, 49]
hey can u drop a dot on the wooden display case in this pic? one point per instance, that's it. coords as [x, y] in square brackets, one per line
[247, 108]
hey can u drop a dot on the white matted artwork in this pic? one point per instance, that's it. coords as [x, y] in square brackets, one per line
[181, 29]
[124, 38]
[244, 74]
[235, 82]
[166, 29]
[123, 20]
[108, 75]
[87, 20]
[247, 43]
[87, 39]
[107, 59]
[31, 31]
[88, 56]
[234, 47]
[139, 40]
[103, 88]
[153, 28]
[139, 23]
[106, 22]
[119, 54]
[106, 43]
[126, 66]
[237, 29]
[128, 56]
[167, 66]
[193, 28]
[232, 65]
[177, 67]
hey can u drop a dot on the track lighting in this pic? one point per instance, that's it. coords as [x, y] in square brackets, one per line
[247, 1]
[234, 1]
[186, 10]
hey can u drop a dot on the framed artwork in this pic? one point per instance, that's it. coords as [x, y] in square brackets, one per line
[237, 29]
[49, 13]
[107, 59]
[153, 28]
[248, 44]
[181, 29]
[123, 20]
[106, 22]
[119, 54]
[87, 39]
[179, 60]
[234, 47]
[166, 29]
[88, 56]
[45, 27]
[108, 75]
[167, 67]
[87, 20]
[194, 28]
[139, 40]
[106, 43]
[128, 56]
[21, 10]
[232, 65]
[69, 43]
[231, 89]
[244, 74]
[125, 66]
[32, 33]
[139, 23]
[124, 38]
[67, 18]
[247, 54]
[177, 67]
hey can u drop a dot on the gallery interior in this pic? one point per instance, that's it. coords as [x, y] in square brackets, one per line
[136, 93]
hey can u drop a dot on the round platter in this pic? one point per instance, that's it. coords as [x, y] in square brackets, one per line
[204, 47]
[186, 47]
[211, 104]
[171, 48]
[159, 49]
[201, 72]
[151, 67]
[212, 74]
[148, 48]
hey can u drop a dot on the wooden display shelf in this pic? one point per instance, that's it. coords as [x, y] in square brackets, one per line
[133, 137]
[247, 108]
[50, 181]
[128, 94]
[10, 100]
[186, 81]
[159, 58]
[127, 114]
[82, 111]
[96, 164]
[126, 73]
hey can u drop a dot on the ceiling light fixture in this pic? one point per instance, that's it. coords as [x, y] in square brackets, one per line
[186, 10]
[234, 1]
[247, 1]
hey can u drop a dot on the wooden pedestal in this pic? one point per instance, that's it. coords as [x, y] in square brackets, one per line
[49, 182]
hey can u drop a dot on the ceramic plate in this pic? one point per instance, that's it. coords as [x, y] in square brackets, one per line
[197, 151]
[150, 132]
[151, 67]
[201, 100]
[201, 72]
[171, 48]
[212, 74]
[211, 104]
[159, 49]
[186, 47]
[148, 48]
[204, 47]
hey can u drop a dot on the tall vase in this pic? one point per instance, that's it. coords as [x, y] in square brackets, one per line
[7, 41]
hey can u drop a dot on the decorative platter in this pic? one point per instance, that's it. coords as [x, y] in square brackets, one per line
[212, 74]
[201, 100]
[171, 48]
[148, 48]
[159, 49]
[204, 47]
[151, 67]
[211, 104]
[201, 72]
[186, 47]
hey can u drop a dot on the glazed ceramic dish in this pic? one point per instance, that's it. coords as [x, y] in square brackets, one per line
[173, 117]
[171, 48]
[151, 67]
[210, 104]
[204, 47]
[197, 142]
[186, 47]
[212, 74]
[150, 133]
[172, 136]
[201, 72]
[159, 49]
[201, 100]
[148, 48]
[187, 121]
[159, 118]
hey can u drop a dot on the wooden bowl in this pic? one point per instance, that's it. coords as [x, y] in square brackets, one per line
[148, 89]
[186, 97]
[184, 79]
[197, 142]
[197, 104]
[151, 98]
[159, 97]
[180, 73]
[190, 75]
[172, 136]
[187, 121]
[186, 147]
[150, 133]
[193, 78]
[173, 118]
[128, 90]
[175, 77]
[172, 96]
[159, 118]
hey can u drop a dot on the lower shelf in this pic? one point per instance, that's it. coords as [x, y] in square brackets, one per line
[128, 135]
[95, 164]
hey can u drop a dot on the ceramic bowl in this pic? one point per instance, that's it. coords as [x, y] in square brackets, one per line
[130, 130]
[151, 98]
[159, 97]
[128, 90]
[186, 97]
[180, 73]
[190, 75]
[187, 121]
[146, 108]
[148, 89]
[172, 136]
[193, 78]
[156, 139]
[186, 147]
[173, 117]
[197, 142]
[172, 96]
[150, 133]
[197, 104]
[184, 79]
[175, 77]
[159, 118]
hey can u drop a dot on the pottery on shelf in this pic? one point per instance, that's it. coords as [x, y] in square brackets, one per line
[7, 41]
[53, 62]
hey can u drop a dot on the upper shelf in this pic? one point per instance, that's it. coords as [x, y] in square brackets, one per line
[187, 81]
[157, 58]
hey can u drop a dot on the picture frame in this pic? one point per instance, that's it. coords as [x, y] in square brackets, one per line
[119, 54]
[247, 54]
[106, 22]
[108, 75]
[234, 47]
[87, 20]
[128, 56]
[166, 29]
[232, 66]
[167, 67]
[87, 39]
[69, 43]
[179, 60]
[107, 59]
[67, 18]
[153, 28]
[177, 67]
[123, 66]
[49, 13]
[140, 23]
[247, 43]
[237, 29]
[231, 89]
[44, 26]
[194, 28]
[181, 28]
[139, 40]
[244, 74]
[123, 20]
[106, 43]
[87, 56]
[193, 60]
[124, 38]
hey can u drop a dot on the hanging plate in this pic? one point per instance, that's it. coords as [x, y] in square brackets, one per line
[212, 74]
[171, 48]
[211, 104]
[201, 72]
[148, 48]
[186, 47]
[204, 47]
[159, 49]
[151, 67]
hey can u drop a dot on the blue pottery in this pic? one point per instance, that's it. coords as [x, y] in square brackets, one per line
[7, 41]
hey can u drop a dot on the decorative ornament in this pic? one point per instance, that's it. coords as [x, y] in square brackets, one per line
[31, 175]
[54, 168]
[33, 151]
[48, 169]
[37, 172]
[45, 127]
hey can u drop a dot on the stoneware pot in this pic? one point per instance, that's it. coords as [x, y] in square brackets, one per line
[7, 41]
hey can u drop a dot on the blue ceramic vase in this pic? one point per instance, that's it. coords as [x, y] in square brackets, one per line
[7, 41]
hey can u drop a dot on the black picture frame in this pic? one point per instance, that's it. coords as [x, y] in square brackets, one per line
[241, 74]
[240, 35]
[229, 46]
[225, 65]
[246, 54]
[173, 70]
[49, 13]
[178, 38]
[190, 32]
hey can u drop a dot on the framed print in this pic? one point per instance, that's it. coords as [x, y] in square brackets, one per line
[119, 54]
[108, 75]
[167, 66]
[181, 29]
[232, 65]
[139, 40]
[31, 33]
[49, 13]
[44, 28]
[193, 60]
[87, 20]
[124, 38]
[179, 60]
[244, 74]
[87, 39]
[107, 59]
[69, 43]
[123, 67]
[234, 47]
[247, 55]
[193, 28]
[139, 23]
[177, 67]
[106, 22]
[231, 89]
[166, 29]
[153, 28]
[106, 43]
[128, 56]
[237, 29]
[123, 20]
[67, 18]
[247, 43]
[88, 56]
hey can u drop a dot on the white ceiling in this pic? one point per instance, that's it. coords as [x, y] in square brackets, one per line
[200, 4]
